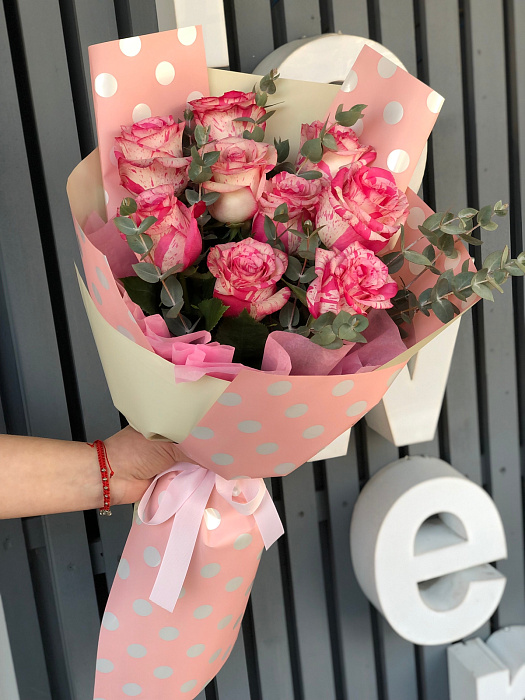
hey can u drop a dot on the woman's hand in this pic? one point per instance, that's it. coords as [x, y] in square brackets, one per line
[136, 461]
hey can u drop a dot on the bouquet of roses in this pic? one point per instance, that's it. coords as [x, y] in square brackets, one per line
[252, 300]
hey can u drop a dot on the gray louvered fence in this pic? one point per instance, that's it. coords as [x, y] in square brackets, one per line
[309, 633]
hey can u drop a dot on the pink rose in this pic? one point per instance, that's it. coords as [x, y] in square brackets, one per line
[349, 150]
[219, 112]
[149, 154]
[302, 198]
[247, 274]
[362, 204]
[176, 236]
[239, 175]
[353, 280]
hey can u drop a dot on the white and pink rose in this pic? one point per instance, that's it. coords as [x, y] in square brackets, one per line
[353, 280]
[247, 274]
[219, 113]
[361, 204]
[302, 198]
[239, 176]
[175, 234]
[149, 154]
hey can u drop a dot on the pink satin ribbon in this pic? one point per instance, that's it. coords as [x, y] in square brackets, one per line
[185, 499]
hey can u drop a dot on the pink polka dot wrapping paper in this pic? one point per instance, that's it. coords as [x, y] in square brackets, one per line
[258, 425]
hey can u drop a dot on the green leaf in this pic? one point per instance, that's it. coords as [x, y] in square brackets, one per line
[394, 261]
[281, 213]
[147, 272]
[172, 271]
[485, 215]
[211, 157]
[471, 240]
[196, 156]
[256, 134]
[467, 213]
[246, 335]
[210, 197]
[294, 269]
[270, 229]
[298, 293]
[325, 337]
[125, 225]
[171, 293]
[483, 290]
[289, 315]
[212, 310]
[143, 293]
[349, 117]
[443, 309]
[434, 221]
[310, 175]
[201, 135]
[246, 120]
[490, 226]
[416, 258]
[175, 310]
[140, 244]
[494, 260]
[266, 116]
[312, 150]
[127, 206]
[452, 229]
[308, 276]
[323, 320]
[261, 99]
[146, 224]
[192, 197]
[282, 148]
[329, 142]
[343, 318]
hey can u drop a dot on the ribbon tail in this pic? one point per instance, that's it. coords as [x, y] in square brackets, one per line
[268, 521]
[180, 546]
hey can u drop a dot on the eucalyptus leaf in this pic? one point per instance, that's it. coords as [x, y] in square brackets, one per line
[298, 293]
[270, 229]
[125, 225]
[323, 320]
[294, 269]
[127, 206]
[282, 148]
[416, 258]
[483, 290]
[310, 175]
[192, 197]
[210, 197]
[140, 244]
[147, 272]
[146, 224]
[467, 213]
[312, 150]
[172, 292]
[394, 261]
[443, 309]
[329, 142]
[281, 213]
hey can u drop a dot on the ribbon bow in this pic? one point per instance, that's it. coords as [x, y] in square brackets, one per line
[186, 498]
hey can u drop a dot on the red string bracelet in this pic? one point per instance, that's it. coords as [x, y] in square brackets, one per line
[105, 467]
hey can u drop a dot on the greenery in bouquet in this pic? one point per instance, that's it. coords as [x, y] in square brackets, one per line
[233, 238]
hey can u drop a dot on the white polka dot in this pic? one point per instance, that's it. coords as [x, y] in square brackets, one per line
[202, 612]
[350, 82]
[137, 519]
[233, 584]
[229, 399]
[195, 650]
[130, 46]
[137, 651]
[152, 556]
[131, 689]
[357, 128]
[168, 634]
[210, 570]
[435, 102]
[195, 95]
[222, 459]
[125, 332]
[452, 263]
[102, 277]
[284, 468]
[187, 35]
[415, 269]
[260, 553]
[225, 622]
[165, 73]
[393, 112]
[398, 160]
[202, 433]
[416, 217]
[343, 388]
[237, 622]
[267, 448]
[140, 112]
[386, 68]
[227, 652]
[249, 589]
[110, 621]
[313, 432]
[188, 686]
[356, 408]
[104, 665]
[163, 672]
[106, 85]
[296, 411]
[393, 377]
[106, 197]
[142, 607]
[249, 426]
[214, 657]
[243, 541]
[212, 518]
[182, 592]
[279, 388]
[96, 293]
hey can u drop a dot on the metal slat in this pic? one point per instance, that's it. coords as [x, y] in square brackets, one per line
[253, 30]
[397, 18]
[302, 531]
[351, 17]
[302, 18]
[232, 679]
[354, 624]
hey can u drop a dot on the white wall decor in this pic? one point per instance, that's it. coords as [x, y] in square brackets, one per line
[421, 537]
[209, 13]
[409, 411]
[494, 670]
